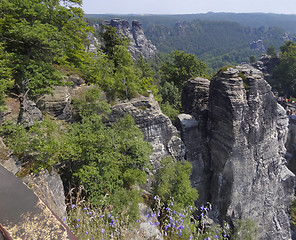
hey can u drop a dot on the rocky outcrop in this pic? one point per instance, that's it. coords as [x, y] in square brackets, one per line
[246, 133]
[58, 103]
[156, 127]
[266, 64]
[49, 188]
[193, 128]
[29, 113]
[257, 45]
[139, 45]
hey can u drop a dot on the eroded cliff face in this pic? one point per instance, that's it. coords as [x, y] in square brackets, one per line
[156, 127]
[245, 137]
[139, 44]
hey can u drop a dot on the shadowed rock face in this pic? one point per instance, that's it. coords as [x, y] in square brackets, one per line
[246, 132]
[193, 128]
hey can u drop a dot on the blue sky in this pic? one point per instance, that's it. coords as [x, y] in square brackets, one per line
[188, 6]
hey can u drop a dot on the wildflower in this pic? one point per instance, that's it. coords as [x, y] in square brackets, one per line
[202, 214]
[90, 213]
[102, 231]
[148, 215]
[77, 219]
[109, 215]
[97, 229]
[64, 219]
[72, 206]
[217, 236]
[202, 208]
[77, 225]
[138, 221]
[172, 203]
[155, 198]
[165, 234]
[86, 232]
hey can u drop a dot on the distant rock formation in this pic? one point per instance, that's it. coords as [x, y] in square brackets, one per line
[257, 45]
[139, 45]
[242, 149]
[266, 64]
[289, 37]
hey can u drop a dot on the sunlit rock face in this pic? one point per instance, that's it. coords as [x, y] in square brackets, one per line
[245, 135]
[139, 44]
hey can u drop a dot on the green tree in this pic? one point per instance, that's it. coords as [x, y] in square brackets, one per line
[284, 75]
[181, 67]
[39, 34]
[271, 51]
[174, 73]
[173, 182]
[6, 80]
[252, 59]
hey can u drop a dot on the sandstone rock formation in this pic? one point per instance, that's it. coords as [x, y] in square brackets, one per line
[257, 45]
[29, 113]
[139, 45]
[245, 137]
[156, 127]
[193, 127]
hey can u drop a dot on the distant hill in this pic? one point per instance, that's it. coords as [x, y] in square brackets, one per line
[218, 39]
[285, 21]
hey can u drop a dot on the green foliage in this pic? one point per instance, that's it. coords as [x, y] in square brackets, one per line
[38, 34]
[172, 182]
[271, 51]
[246, 230]
[121, 77]
[253, 59]
[90, 101]
[174, 73]
[107, 161]
[40, 146]
[170, 111]
[182, 67]
[6, 80]
[284, 75]
[293, 213]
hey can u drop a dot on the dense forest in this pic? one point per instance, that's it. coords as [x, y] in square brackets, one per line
[43, 42]
[217, 42]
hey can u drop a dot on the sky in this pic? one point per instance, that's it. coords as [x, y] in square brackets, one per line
[187, 6]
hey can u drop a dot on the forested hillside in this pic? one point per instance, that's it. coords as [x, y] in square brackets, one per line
[217, 42]
[287, 22]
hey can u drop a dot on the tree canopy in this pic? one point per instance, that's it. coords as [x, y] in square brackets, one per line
[284, 75]
[40, 34]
